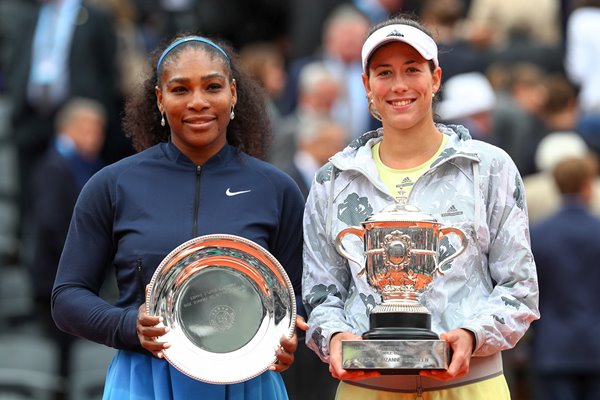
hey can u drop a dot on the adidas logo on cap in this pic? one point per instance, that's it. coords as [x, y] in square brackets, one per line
[395, 33]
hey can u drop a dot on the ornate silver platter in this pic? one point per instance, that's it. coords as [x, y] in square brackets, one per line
[227, 302]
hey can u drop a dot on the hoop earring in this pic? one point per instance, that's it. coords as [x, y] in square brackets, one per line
[162, 120]
[232, 115]
[373, 111]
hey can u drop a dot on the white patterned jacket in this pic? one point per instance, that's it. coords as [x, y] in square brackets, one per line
[491, 289]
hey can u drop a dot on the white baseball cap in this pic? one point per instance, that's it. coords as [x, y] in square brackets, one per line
[465, 95]
[557, 146]
[410, 35]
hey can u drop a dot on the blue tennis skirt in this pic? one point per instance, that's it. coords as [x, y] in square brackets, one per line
[138, 376]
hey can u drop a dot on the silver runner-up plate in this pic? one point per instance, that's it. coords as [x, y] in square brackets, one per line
[227, 302]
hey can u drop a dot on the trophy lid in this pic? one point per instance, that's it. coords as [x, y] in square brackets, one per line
[401, 211]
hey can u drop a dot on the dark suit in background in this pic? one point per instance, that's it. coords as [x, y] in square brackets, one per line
[56, 182]
[92, 73]
[566, 349]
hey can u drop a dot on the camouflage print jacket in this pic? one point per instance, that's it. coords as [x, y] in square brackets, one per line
[490, 289]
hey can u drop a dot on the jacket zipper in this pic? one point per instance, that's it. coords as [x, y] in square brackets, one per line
[196, 201]
[140, 278]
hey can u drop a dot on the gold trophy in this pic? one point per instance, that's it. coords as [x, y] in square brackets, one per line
[401, 249]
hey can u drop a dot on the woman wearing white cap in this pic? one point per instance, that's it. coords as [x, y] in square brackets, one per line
[488, 298]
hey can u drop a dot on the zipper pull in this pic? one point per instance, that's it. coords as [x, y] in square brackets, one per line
[140, 278]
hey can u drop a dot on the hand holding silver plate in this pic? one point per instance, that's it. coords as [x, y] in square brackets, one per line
[227, 302]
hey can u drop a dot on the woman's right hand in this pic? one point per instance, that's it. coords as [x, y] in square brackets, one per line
[335, 359]
[148, 332]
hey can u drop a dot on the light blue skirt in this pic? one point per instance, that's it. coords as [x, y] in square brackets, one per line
[138, 376]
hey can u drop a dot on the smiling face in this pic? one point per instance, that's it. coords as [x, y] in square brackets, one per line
[401, 84]
[196, 94]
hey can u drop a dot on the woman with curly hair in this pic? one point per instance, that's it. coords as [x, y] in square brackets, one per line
[198, 123]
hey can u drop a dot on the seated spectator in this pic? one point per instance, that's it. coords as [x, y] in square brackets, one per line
[543, 198]
[319, 90]
[265, 64]
[469, 100]
[343, 35]
[316, 141]
[518, 124]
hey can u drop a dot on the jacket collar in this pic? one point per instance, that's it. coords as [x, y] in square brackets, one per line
[572, 202]
[357, 155]
[173, 153]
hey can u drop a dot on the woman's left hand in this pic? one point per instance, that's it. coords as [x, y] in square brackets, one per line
[287, 348]
[462, 342]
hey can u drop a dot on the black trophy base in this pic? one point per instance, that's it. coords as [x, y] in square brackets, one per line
[398, 344]
[406, 326]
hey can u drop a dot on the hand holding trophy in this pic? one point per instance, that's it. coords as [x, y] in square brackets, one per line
[402, 250]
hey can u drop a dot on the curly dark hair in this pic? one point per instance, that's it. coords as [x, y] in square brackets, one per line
[249, 132]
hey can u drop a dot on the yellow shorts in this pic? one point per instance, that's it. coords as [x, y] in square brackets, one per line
[490, 389]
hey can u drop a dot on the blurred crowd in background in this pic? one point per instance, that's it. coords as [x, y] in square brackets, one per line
[519, 74]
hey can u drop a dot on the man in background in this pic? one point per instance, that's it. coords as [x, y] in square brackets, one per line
[566, 350]
[316, 140]
[57, 179]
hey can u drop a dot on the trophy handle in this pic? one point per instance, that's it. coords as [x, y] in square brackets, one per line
[352, 230]
[463, 238]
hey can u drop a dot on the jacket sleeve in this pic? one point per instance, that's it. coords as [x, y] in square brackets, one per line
[326, 277]
[286, 244]
[513, 302]
[77, 307]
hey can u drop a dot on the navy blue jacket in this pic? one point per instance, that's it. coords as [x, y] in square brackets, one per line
[132, 213]
[566, 247]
